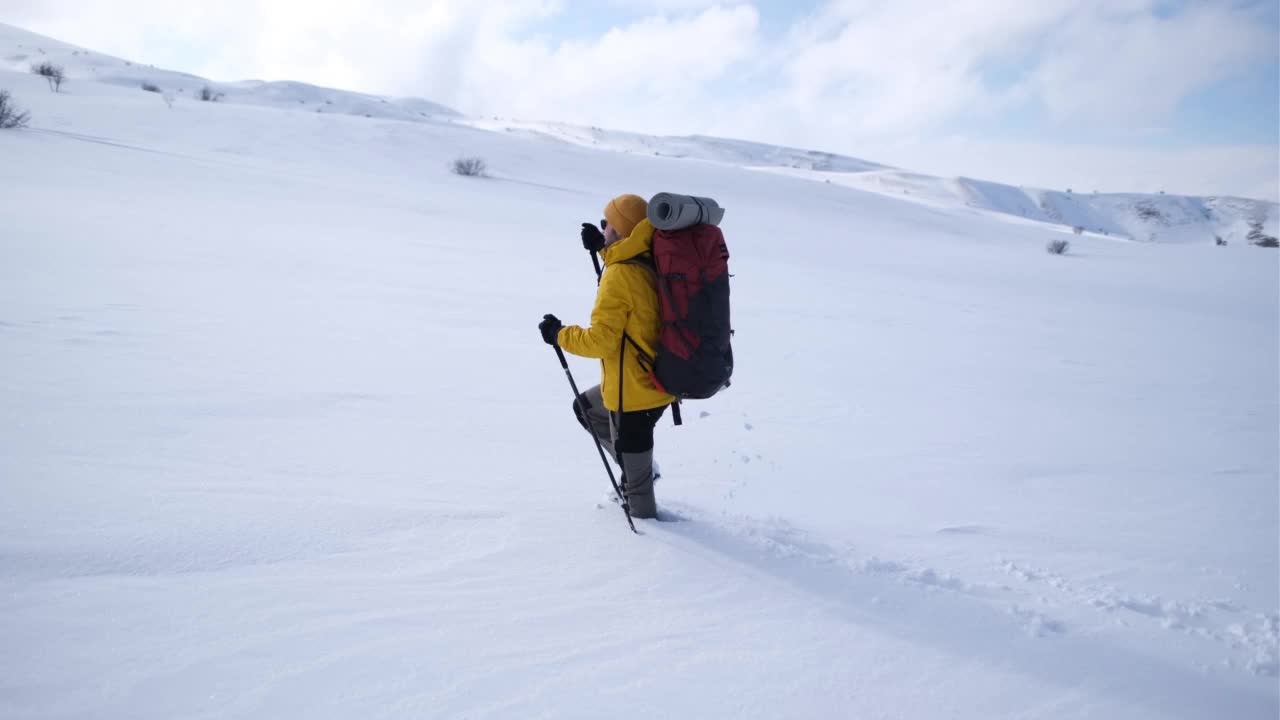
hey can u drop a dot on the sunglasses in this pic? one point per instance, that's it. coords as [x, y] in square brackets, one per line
[604, 224]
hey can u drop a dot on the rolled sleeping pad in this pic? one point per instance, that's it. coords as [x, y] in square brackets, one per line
[668, 211]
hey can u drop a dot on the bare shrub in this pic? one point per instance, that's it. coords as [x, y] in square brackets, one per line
[1147, 211]
[1057, 247]
[470, 167]
[208, 94]
[1078, 230]
[54, 74]
[10, 116]
[1259, 238]
[1217, 240]
[150, 87]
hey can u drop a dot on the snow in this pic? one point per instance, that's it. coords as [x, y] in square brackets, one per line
[19, 49]
[697, 147]
[1131, 216]
[278, 436]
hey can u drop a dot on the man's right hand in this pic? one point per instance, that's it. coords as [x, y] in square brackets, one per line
[592, 238]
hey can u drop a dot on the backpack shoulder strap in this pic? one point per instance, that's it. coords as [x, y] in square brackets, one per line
[646, 261]
[643, 260]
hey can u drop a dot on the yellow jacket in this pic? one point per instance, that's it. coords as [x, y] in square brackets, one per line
[627, 301]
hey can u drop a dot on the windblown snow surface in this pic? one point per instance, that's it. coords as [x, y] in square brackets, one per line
[279, 439]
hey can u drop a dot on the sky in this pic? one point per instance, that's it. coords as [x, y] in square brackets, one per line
[1108, 95]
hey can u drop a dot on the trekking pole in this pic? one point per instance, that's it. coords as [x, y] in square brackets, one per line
[577, 399]
[596, 261]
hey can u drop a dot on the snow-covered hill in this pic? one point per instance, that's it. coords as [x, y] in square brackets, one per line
[1142, 217]
[20, 49]
[279, 438]
[695, 147]
[1134, 216]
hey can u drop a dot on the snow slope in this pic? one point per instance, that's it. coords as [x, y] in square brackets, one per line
[1133, 216]
[278, 438]
[19, 50]
[695, 147]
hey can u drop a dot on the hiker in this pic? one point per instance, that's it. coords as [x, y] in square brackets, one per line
[625, 324]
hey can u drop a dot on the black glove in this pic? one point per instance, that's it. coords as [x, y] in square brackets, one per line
[592, 238]
[550, 328]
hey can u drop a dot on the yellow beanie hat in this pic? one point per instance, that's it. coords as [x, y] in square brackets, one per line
[625, 212]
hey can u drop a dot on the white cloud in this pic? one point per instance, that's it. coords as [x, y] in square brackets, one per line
[380, 46]
[473, 55]
[902, 67]
[907, 65]
[1125, 62]
[660, 6]
[650, 74]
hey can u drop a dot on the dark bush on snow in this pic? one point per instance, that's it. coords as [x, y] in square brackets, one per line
[1057, 247]
[469, 167]
[10, 116]
[53, 73]
[1147, 211]
[1259, 238]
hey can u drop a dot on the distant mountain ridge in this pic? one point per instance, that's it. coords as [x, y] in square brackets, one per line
[1134, 216]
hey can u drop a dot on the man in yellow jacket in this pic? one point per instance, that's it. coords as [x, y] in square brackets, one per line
[625, 323]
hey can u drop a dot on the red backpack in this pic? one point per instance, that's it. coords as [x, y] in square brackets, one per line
[694, 359]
